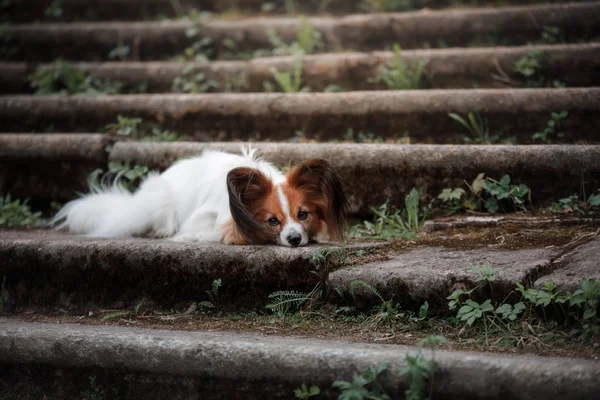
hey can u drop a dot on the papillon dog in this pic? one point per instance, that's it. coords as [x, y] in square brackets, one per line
[219, 198]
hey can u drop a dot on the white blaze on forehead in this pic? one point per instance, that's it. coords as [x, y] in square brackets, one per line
[284, 202]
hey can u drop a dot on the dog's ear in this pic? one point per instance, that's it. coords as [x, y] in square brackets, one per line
[247, 187]
[324, 187]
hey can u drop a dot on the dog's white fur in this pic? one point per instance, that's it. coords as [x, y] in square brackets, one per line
[188, 202]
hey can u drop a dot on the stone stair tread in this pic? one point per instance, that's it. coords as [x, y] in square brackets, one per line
[574, 266]
[422, 114]
[392, 170]
[517, 25]
[58, 269]
[137, 9]
[149, 359]
[572, 64]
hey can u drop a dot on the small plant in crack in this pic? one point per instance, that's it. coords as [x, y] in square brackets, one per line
[284, 302]
[367, 385]
[62, 78]
[308, 41]
[399, 75]
[213, 295]
[289, 82]
[15, 213]
[304, 392]
[478, 128]
[552, 132]
[119, 52]
[421, 370]
[390, 223]
[389, 5]
[125, 126]
[574, 204]
[55, 9]
[191, 81]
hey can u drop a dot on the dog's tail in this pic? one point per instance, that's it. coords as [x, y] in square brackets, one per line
[115, 212]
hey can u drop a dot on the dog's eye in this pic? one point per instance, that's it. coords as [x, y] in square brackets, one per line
[273, 221]
[302, 215]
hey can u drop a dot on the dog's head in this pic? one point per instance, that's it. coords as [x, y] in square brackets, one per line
[309, 205]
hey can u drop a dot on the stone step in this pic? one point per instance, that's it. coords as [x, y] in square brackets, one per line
[160, 40]
[432, 273]
[38, 166]
[45, 270]
[572, 65]
[57, 360]
[77, 10]
[512, 114]
[49, 270]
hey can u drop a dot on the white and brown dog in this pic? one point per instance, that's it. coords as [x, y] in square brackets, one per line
[219, 197]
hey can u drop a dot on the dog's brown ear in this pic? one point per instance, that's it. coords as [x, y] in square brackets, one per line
[247, 187]
[323, 185]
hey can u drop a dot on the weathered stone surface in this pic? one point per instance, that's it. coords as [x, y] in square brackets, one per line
[49, 167]
[50, 269]
[376, 173]
[392, 170]
[433, 273]
[581, 263]
[572, 64]
[422, 114]
[152, 40]
[253, 366]
[521, 221]
[28, 10]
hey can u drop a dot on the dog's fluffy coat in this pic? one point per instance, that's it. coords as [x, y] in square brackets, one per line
[219, 197]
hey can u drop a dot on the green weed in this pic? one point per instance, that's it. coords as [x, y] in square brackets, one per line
[452, 200]
[399, 75]
[486, 194]
[306, 393]
[64, 79]
[421, 370]
[387, 309]
[17, 214]
[552, 131]
[118, 172]
[478, 128]
[308, 40]
[120, 52]
[201, 50]
[362, 137]
[55, 9]
[552, 35]
[290, 82]
[213, 295]
[389, 5]
[290, 301]
[162, 135]
[390, 223]
[368, 385]
[574, 204]
[124, 126]
[193, 82]
[97, 392]
[333, 88]
[577, 310]
[115, 314]
[529, 68]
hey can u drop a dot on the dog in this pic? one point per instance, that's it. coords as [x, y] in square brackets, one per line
[219, 198]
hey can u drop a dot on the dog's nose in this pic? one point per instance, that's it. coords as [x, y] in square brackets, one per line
[294, 239]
